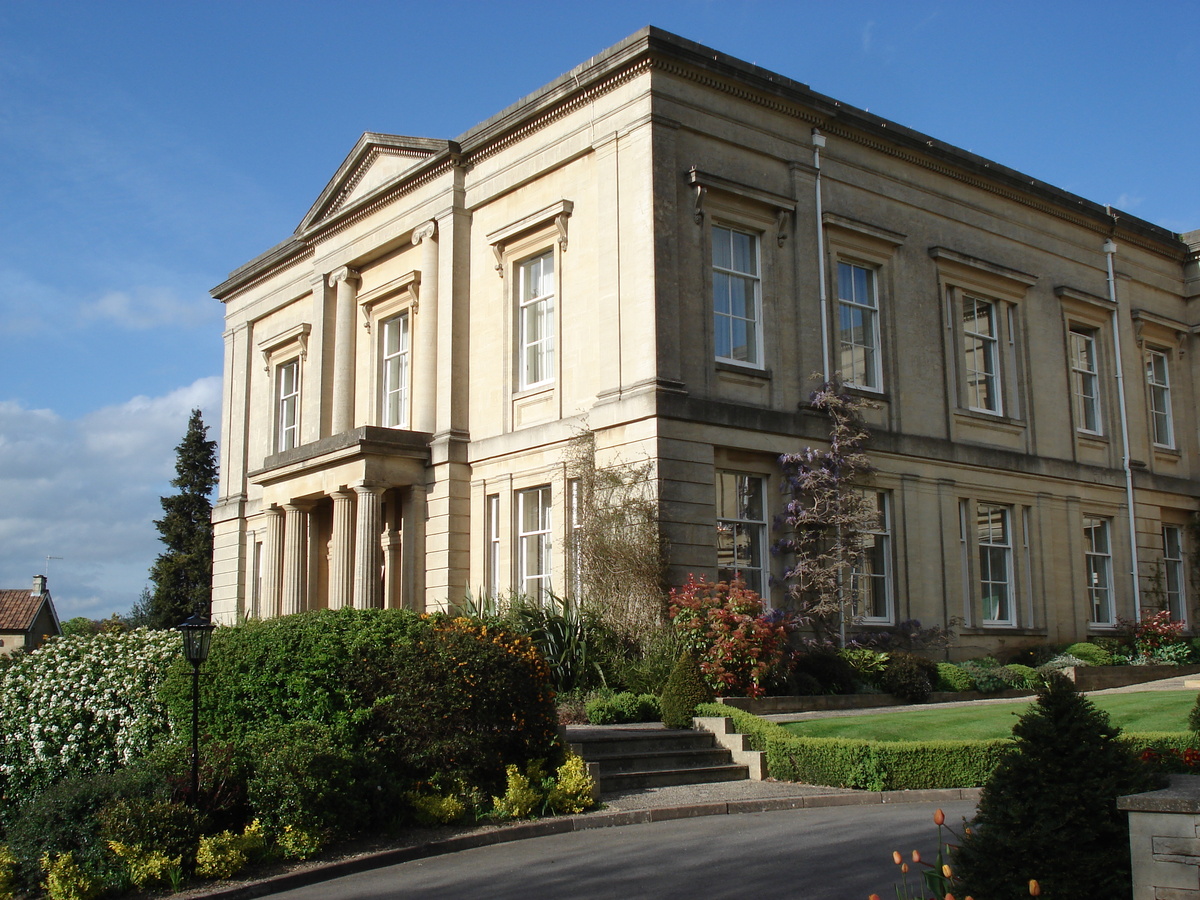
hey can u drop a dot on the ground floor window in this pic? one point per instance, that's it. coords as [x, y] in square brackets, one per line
[871, 580]
[741, 529]
[994, 535]
[1173, 584]
[534, 542]
[1098, 553]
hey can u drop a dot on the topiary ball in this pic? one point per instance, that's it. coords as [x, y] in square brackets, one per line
[685, 691]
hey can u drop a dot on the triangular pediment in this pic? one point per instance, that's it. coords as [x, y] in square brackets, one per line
[376, 160]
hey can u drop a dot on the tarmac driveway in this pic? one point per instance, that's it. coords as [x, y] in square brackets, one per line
[834, 853]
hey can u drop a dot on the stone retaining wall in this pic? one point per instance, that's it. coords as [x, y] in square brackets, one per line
[1164, 840]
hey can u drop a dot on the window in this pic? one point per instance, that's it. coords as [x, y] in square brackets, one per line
[575, 537]
[871, 580]
[1172, 537]
[394, 382]
[491, 575]
[288, 405]
[981, 356]
[737, 296]
[533, 539]
[1158, 377]
[1098, 553]
[1085, 382]
[994, 534]
[741, 529]
[535, 286]
[858, 326]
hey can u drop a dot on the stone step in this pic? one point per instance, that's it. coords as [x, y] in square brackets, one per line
[661, 761]
[625, 743]
[636, 781]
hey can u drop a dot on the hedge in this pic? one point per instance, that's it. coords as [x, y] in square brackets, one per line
[890, 765]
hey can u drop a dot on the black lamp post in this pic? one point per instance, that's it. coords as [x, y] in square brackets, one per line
[197, 636]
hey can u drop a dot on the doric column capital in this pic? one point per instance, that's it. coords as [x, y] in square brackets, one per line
[422, 232]
[344, 274]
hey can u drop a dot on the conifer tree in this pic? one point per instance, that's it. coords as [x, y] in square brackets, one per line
[1049, 811]
[182, 575]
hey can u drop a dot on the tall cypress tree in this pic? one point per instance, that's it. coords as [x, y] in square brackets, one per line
[182, 575]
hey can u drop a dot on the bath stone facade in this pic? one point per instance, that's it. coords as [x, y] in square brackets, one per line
[663, 246]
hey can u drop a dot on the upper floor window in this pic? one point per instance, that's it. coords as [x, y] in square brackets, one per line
[395, 380]
[287, 393]
[535, 290]
[871, 579]
[858, 326]
[1085, 382]
[1158, 379]
[534, 542]
[741, 530]
[737, 296]
[981, 355]
[994, 535]
[1098, 557]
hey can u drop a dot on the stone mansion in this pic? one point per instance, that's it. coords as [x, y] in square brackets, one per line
[662, 247]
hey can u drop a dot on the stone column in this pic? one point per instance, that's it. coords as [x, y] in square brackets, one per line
[366, 547]
[346, 282]
[341, 558]
[272, 562]
[425, 352]
[295, 542]
[412, 547]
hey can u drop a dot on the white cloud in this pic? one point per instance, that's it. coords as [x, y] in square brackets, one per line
[147, 307]
[87, 490]
[1129, 202]
[868, 36]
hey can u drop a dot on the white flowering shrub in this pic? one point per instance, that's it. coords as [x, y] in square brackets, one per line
[81, 705]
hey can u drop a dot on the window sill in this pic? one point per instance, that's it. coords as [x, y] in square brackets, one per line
[1092, 438]
[1169, 453]
[742, 369]
[991, 420]
[536, 391]
[1002, 629]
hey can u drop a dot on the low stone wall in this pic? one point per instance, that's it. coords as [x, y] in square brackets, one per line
[1098, 678]
[1164, 840]
[768, 706]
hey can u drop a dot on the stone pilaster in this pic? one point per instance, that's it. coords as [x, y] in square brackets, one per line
[426, 326]
[295, 545]
[272, 562]
[346, 282]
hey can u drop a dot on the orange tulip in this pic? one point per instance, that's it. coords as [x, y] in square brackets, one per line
[916, 856]
[874, 897]
[1035, 889]
[949, 897]
[896, 858]
[939, 817]
[904, 868]
[946, 871]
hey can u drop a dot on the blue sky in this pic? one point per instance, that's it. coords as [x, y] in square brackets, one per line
[149, 148]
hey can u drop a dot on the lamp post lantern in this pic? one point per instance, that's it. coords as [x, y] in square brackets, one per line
[197, 636]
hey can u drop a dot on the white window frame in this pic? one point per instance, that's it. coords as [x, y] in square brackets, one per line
[997, 609]
[1158, 382]
[535, 362]
[743, 523]
[287, 405]
[725, 321]
[396, 369]
[575, 535]
[1174, 582]
[871, 582]
[1085, 379]
[866, 310]
[983, 346]
[535, 543]
[1097, 547]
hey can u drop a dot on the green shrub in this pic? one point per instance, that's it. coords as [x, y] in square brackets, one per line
[685, 690]
[619, 709]
[831, 671]
[909, 677]
[1194, 716]
[953, 678]
[985, 673]
[1177, 654]
[801, 684]
[437, 809]
[874, 765]
[1091, 654]
[221, 856]
[462, 704]
[1025, 677]
[645, 667]
[1049, 810]
[574, 789]
[520, 798]
[148, 824]
[869, 665]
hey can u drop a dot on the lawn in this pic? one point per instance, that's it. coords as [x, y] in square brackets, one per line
[1142, 711]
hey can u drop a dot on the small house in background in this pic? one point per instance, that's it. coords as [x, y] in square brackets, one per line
[27, 617]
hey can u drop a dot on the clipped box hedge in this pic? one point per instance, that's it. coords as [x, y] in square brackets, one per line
[890, 765]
